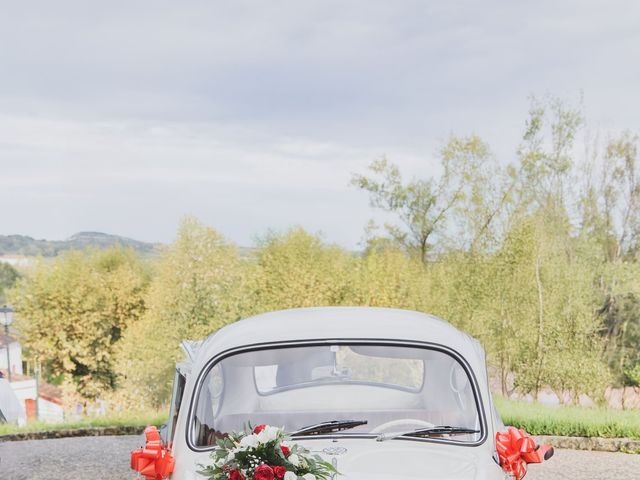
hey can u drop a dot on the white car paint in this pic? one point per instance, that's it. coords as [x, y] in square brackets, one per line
[364, 458]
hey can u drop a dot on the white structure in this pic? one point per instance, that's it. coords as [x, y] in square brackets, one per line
[48, 407]
[17, 260]
[15, 353]
[11, 409]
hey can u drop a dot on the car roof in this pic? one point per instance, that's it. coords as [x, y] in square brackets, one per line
[319, 323]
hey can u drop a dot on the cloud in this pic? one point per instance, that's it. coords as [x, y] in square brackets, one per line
[165, 152]
[118, 176]
[276, 102]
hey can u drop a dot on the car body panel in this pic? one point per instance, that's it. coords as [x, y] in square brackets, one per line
[367, 459]
[399, 458]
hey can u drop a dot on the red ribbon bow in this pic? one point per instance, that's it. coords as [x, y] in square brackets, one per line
[153, 461]
[516, 449]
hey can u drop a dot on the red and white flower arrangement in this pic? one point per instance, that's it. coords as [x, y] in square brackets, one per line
[263, 454]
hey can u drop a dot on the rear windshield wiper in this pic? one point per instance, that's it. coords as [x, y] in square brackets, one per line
[427, 432]
[326, 427]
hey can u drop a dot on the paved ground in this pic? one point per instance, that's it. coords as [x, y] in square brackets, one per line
[580, 464]
[79, 458]
[106, 458]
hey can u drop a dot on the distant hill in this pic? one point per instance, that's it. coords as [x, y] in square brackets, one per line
[27, 246]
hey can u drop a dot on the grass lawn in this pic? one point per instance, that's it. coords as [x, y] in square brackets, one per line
[538, 419]
[126, 419]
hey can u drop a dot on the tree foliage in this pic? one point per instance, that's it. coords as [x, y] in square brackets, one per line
[296, 269]
[536, 268]
[73, 310]
[538, 258]
[8, 277]
[424, 206]
[200, 284]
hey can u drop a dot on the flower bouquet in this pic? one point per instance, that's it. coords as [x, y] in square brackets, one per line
[262, 454]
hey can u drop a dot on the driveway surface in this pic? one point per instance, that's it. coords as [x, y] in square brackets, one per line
[103, 458]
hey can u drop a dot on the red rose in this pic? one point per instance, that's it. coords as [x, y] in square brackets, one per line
[258, 428]
[235, 474]
[285, 450]
[279, 472]
[263, 472]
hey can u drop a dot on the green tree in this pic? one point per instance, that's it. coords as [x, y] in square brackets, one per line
[546, 152]
[296, 269]
[200, 285]
[8, 277]
[611, 217]
[73, 310]
[388, 277]
[621, 192]
[620, 312]
[424, 206]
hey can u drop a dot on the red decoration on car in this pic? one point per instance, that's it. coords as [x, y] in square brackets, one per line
[516, 449]
[153, 461]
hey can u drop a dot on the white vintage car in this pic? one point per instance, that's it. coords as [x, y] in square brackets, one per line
[379, 393]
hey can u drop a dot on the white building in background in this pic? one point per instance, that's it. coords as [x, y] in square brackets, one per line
[46, 407]
[17, 260]
[15, 354]
[42, 402]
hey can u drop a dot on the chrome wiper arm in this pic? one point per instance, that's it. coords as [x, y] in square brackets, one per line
[425, 432]
[330, 426]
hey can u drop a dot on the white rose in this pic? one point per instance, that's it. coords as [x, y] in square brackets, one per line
[249, 441]
[268, 434]
[290, 476]
[293, 459]
[309, 476]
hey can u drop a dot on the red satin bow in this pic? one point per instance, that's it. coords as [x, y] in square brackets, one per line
[516, 449]
[153, 461]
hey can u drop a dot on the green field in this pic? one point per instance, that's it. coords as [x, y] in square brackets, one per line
[536, 419]
[539, 419]
[128, 419]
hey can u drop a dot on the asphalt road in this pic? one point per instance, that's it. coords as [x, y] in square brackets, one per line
[105, 458]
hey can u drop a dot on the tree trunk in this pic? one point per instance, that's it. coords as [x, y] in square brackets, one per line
[539, 342]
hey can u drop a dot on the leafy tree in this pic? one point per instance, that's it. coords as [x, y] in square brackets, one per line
[423, 206]
[8, 277]
[200, 284]
[620, 312]
[542, 313]
[633, 375]
[621, 192]
[73, 310]
[296, 269]
[510, 269]
[388, 278]
[546, 153]
[611, 217]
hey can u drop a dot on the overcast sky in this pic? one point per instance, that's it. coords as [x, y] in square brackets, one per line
[123, 117]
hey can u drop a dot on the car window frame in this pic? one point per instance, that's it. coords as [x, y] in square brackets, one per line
[177, 398]
[475, 386]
